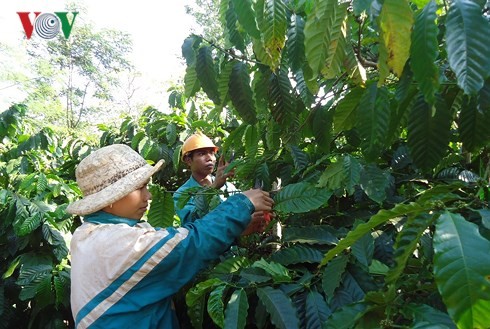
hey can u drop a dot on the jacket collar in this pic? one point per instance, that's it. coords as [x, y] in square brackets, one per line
[102, 217]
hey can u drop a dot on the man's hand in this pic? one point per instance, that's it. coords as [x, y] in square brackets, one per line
[260, 220]
[260, 199]
[221, 176]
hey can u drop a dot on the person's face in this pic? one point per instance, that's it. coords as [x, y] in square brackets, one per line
[202, 161]
[133, 205]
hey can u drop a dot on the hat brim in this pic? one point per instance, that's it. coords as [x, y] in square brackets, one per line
[114, 192]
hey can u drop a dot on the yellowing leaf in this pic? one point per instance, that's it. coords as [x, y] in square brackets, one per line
[396, 22]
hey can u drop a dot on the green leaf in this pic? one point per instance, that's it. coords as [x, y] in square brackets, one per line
[161, 212]
[352, 173]
[241, 93]
[375, 182]
[231, 265]
[317, 310]
[24, 225]
[12, 267]
[333, 177]
[396, 19]
[32, 278]
[484, 97]
[406, 243]
[191, 82]
[473, 125]
[363, 250]
[428, 133]
[42, 183]
[360, 6]
[245, 15]
[425, 51]
[405, 88]
[411, 209]
[281, 100]
[378, 268]
[236, 310]
[216, 305]
[235, 37]
[176, 157]
[346, 317]
[338, 56]
[135, 141]
[317, 234]
[54, 238]
[300, 158]
[260, 86]
[61, 284]
[189, 49]
[300, 198]
[441, 192]
[485, 217]
[332, 275]
[206, 73]
[302, 87]
[278, 272]
[373, 121]
[253, 275]
[262, 173]
[467, 44]
[345, 113]
[274, 34]
[251, 141]
[171, 133]
[295, 43]
[460, 274]
[336, 52]
[224, 81]
[425, 313]
[321, 125]
[420, 3]
[322, 30]
[297, 254]
[195, 300]
[273, 135]
[28, 182]
[279, 306]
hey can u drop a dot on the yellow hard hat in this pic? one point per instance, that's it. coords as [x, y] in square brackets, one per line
[196, 141]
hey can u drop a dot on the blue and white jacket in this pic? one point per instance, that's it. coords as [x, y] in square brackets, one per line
[124, 272]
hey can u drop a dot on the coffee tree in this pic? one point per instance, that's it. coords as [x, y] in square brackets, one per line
[369, 120]
[366, 120]
[36, 183]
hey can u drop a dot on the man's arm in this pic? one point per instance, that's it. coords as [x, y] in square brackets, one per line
[207, 238]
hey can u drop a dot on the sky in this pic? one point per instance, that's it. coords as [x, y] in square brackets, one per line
[158, 29]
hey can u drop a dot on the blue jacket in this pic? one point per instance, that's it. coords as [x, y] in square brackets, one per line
[188, 213]
[124, 272]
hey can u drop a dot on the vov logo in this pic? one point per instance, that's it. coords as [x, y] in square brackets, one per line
[47, 25]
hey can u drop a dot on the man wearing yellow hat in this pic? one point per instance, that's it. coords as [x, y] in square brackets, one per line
[199, 153]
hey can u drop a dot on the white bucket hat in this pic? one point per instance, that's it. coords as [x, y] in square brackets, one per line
[109, 174]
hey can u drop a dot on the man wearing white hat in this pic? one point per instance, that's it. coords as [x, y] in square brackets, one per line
[124, 272]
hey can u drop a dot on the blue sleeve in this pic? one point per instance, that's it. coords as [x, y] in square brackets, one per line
[207, 238]
[188, 214]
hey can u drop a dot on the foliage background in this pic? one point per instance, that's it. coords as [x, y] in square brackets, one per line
[368, 121]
